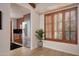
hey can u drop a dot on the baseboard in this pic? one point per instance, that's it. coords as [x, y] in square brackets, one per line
[63, 51]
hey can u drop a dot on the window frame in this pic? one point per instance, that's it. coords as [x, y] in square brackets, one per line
[63, 26]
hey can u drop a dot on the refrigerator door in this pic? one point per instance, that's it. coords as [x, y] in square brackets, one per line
[25, 34]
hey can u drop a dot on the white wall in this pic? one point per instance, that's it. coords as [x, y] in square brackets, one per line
[70, 48]
[14, 23]
[5, 32]
[14, 26]
[35, 21]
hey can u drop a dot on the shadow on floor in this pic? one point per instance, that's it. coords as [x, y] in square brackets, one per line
[14, 46]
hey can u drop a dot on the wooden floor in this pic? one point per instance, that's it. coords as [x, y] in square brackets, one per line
[23, 51]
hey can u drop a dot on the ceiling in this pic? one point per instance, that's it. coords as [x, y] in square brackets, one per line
[18, 11]
[43, 7]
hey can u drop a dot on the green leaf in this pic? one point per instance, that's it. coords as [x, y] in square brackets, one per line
[39, 34]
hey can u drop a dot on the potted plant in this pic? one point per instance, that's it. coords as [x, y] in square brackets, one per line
[39, 35]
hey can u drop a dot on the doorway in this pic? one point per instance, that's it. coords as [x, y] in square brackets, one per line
[19, 25]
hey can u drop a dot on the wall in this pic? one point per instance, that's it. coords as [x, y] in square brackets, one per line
[5, 32]
[14, 26]
[14, 23]
[65, 47]
[34, 26]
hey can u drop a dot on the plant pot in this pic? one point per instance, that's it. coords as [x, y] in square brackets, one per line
[40, 44]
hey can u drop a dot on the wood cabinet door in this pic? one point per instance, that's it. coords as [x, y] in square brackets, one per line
[18, 38]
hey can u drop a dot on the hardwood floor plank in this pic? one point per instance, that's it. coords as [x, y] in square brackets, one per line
[23, 51]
